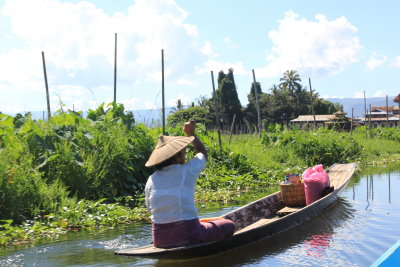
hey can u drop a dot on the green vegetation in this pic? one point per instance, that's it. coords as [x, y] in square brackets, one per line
[282, 146]
[321, 146]
[49, 168]
[283, 102]
[75, 173]
[198, 114]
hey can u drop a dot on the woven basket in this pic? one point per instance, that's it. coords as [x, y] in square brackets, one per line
[293, 195]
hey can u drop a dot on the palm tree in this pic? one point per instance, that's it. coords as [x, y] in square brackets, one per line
[179, 106]
[291, 84]
[290, 81]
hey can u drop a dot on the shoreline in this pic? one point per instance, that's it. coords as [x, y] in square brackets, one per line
[31, 232]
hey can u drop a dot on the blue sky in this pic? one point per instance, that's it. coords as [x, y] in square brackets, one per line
[345, 47]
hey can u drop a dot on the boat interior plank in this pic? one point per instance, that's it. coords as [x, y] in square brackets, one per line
[287, 210]
[257, 224]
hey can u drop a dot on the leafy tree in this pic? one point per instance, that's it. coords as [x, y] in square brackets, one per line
[195, 113]
[227, 96]
[114, 112]
[296, 94]
[203, 102]
[290, 81]
[286, 101]
[281, 108]
[179, 106]
[324, 107]
[250, 112]
[301, 101]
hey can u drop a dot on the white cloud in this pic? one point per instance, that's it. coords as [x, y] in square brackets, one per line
[331, 96]
[79, 44]
[207, 50]
[358, 95]
[230, 44]
[22, 70]
[131, 103]
[396, 62]
[379, 93]
[82, 104]
[9, 109]
[151, 105]
[183, 81]
[72, 91]
[314, 48]
[184, 99]
[157, 75]
[375, 61]
[216, 66]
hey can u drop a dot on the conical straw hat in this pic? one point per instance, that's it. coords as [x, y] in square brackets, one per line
[167, 147]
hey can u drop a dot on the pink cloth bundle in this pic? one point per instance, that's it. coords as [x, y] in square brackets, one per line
[315, 182]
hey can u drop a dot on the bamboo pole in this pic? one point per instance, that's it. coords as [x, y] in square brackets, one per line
[47, 87]
[389, 189]
[312, 104]
[216, 113]
[233, 124]
[162, 87]
[257, 103]
[365, 115]
[115, 69]
[370, 121]
[352, 118]
[387, 112]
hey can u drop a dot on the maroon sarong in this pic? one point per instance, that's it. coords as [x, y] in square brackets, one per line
[189, 232]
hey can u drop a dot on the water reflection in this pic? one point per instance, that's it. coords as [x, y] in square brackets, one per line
[353, 232]
[317, 244]
[252, 254]
[389, 190]
[367, 194]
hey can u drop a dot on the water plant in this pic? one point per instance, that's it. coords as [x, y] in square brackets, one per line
[77, 173]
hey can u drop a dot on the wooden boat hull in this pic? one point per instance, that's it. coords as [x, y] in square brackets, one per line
[255, 221]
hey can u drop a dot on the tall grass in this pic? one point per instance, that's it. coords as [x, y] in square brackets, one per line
[45, 164]
[291, 147]
[384, 141]
[69, 172]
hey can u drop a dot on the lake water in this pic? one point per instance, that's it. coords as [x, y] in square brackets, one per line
[355, 231]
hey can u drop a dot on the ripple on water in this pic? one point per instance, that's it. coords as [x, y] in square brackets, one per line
[353, 232]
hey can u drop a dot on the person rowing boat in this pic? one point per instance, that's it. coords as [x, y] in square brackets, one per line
[169, 194]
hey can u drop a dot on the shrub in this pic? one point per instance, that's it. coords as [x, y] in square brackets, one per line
[47, 162]
[321, 146]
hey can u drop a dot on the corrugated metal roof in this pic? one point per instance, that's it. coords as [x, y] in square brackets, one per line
[392, 118]
[383, 108]
[310, 118]
[381, 112]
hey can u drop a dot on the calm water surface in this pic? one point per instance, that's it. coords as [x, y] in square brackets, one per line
[354, 232]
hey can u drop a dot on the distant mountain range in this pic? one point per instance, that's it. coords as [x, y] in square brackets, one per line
[358, 104]
[152, 117]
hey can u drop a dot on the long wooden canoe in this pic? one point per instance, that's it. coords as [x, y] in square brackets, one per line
[260, 219]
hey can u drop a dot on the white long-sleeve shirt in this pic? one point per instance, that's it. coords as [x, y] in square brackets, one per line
[170, 191]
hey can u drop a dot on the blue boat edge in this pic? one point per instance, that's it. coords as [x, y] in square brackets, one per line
[390, 257]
